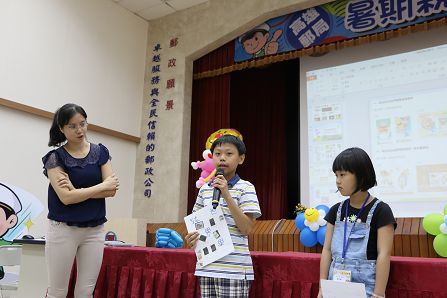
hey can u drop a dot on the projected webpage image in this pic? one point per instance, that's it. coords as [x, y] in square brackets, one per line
[395, 108]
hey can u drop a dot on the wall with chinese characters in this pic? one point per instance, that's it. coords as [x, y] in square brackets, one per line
[58, 51]
[174, 42]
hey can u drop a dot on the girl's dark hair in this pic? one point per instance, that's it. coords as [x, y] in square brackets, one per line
[229, 139]
[357, 162]
[61, 118]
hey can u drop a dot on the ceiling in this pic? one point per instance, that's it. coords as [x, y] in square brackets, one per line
[154, 9]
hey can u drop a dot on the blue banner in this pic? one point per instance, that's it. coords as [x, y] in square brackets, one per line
[335, 21]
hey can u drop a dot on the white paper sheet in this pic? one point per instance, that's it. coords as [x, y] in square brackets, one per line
[215, 240]
[339, 289]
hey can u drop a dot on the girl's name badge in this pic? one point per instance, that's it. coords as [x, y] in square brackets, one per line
[342, 275]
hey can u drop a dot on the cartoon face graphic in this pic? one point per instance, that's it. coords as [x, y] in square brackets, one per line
[6, 222]
[256, 42]
[9, 206]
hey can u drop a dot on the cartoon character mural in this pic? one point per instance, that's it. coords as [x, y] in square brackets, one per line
[10, 205]
[206, 165]
[18, 209]
[256, 42]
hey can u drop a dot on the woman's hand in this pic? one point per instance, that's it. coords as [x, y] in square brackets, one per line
[319, 294]
[64, 181]
[191, 239]
[111, 183]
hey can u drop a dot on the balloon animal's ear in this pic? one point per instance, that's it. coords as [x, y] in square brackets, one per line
[207, 154]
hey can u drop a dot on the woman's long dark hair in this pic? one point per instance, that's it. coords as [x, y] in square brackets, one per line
[61, 118]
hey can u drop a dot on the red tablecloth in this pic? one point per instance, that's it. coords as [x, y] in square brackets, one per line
[153, 272]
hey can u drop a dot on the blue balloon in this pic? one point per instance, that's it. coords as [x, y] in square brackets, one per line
[324, 207]
[176, 239]
[164, 231]
[321, 234]
[299, 221]
[308, 238]
[161, 238]
[162, 243]
[167, 238]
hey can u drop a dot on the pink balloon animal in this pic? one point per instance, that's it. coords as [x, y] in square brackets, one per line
[207, 167]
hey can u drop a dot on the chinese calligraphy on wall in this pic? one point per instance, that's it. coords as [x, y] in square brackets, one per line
[156, 87]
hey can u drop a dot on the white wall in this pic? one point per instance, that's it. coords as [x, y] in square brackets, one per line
[57, 51]
[90, 52]
[200, 29]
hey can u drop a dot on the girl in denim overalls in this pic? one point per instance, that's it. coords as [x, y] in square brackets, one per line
[345, 252]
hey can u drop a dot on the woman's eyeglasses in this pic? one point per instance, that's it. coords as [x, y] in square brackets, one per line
[81, 125]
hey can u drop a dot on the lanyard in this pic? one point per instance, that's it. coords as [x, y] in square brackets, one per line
[346, 240]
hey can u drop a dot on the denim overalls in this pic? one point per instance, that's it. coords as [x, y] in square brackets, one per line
[362, 269]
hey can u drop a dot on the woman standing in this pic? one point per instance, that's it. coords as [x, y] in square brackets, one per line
[81, 177]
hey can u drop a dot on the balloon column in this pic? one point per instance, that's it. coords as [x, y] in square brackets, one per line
[436, 224]
[312, 225]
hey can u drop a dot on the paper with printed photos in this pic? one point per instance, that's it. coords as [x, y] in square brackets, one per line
[214, 241]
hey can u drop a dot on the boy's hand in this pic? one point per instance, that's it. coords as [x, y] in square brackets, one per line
[221, 183]
[191, 239]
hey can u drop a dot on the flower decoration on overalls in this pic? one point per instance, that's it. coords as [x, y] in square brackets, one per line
[436, 224]
[207, 165]
[312, 225]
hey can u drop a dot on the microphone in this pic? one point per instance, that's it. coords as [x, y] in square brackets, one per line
[216, 192]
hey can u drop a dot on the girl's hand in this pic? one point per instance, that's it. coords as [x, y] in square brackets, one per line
[191, 239]
[319, 294]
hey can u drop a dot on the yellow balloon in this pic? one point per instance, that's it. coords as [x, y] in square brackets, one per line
[217, 134]
[311, 214]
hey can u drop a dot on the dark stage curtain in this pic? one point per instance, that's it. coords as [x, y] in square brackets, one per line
[258, 111]
[221, 57]
[210, 109]
[263, 105]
